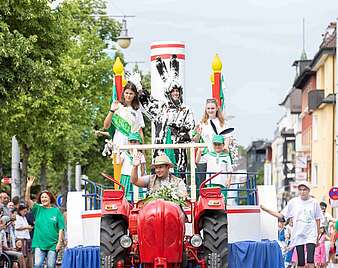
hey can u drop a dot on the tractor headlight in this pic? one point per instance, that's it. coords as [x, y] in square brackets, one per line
[125, 241]
[196, 241]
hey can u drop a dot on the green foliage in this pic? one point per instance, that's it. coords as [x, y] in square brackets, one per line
[242, 151]
[146, 84]
[260, 176]
[55, 81]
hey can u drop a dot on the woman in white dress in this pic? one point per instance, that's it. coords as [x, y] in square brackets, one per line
[125, 116]
[212, 123]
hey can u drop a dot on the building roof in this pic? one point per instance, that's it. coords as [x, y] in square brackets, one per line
[328, 45]
[258, 145]
[287, 96]
[329, 38]
[303, 78]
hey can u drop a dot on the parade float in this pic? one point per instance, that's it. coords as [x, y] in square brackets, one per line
[201, 232]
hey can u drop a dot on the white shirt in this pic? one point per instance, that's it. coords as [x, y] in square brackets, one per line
[135, 118]
[217, 162]
[208, 132]
[127, 163]
[19, 223]
[304, 214]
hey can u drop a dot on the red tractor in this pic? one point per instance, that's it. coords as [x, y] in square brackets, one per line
[153, 234]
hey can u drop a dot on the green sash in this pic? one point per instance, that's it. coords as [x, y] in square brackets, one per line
[121, 124]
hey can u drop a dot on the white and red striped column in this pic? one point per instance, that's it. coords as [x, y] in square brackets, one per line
[165, 50]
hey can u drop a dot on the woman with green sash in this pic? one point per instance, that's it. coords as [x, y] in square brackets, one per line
[125, 116]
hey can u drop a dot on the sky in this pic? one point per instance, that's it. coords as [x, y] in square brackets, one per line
[257, 41]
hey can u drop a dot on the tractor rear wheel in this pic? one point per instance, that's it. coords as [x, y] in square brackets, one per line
[112, 229]
[215, 242]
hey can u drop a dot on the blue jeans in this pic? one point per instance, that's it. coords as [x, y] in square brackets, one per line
[40, 255]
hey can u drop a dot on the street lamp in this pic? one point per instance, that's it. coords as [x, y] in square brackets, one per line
[124, 40]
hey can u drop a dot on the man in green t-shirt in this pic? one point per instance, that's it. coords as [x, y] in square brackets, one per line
[48, 227]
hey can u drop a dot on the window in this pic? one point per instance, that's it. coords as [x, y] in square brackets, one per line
[314, 175]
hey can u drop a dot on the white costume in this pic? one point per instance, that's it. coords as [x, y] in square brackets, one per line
[172, 120]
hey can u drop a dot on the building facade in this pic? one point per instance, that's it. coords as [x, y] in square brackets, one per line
[304, 146]
[322, 105]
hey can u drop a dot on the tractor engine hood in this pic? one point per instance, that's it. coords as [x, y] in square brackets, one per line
[161, 228]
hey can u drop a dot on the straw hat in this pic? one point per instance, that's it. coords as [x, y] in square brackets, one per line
[162, 160]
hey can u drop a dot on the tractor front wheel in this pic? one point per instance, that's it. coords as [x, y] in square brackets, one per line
[112, 229]
[215, 234]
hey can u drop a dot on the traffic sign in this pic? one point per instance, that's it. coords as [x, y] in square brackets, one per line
[333, 193]
[333, 203]
[59, 200]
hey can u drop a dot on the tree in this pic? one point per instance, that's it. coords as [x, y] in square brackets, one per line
[260, 176]
[32, 39]
[54, 79]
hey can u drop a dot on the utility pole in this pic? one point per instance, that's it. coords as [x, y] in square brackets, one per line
[69, 176]
[16, 182]
[78, 177]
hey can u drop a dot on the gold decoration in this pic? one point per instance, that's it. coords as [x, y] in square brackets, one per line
[118, 67]
[217, 64]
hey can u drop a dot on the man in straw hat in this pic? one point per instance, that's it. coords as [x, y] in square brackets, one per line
[161, 177]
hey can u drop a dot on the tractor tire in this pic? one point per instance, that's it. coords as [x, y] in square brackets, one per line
[112, 229]
[215, 242]
[214, 261]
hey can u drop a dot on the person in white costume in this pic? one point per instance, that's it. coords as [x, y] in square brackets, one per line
[306, 215]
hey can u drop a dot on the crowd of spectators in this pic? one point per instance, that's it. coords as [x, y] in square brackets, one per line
[23, 225]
